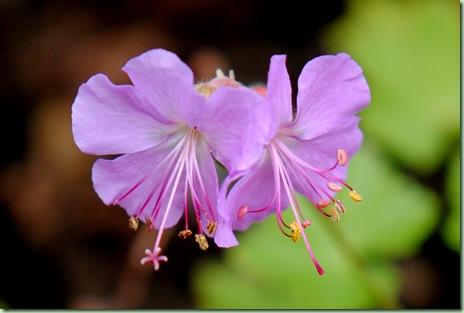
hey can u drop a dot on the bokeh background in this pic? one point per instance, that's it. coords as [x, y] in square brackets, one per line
[399, 248]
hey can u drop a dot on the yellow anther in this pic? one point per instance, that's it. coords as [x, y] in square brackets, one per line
[354, 195]
[202, 242]
[133, 223]
[211, 228]
[185, 233]
[296, 231]
[205, 89]
[334, 214]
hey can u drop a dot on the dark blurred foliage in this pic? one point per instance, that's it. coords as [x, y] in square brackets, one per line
[62, 247]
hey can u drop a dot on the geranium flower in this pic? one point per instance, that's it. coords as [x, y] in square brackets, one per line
[308, 153]
[164, 131]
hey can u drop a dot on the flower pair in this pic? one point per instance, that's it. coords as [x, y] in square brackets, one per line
[168, 133]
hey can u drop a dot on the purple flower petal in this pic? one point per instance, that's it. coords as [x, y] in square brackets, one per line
[109, 119]
[331, 90]
[236, 126]
[166, 82]
[257, 191]
[321, 151]
[140, 174]
[279, 91]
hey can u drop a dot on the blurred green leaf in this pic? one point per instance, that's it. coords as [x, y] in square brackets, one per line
[452, 228]
[267, 270]
[410, 53]
[396, 213]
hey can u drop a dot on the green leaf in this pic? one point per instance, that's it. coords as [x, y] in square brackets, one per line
[452, 228]
[410, 53]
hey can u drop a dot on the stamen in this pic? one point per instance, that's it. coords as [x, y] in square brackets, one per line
[185, 233]
[339, 206]
[149, 223]
[306, 223]
[334, 214]
[324, 203]
[333, 186]
[220, 73]
[211, 228]
[354, 195]
[342, 157]
[133, 223]
[231, 74]
[281, 175]
[202, 242]
[296, 231]
[242, 211]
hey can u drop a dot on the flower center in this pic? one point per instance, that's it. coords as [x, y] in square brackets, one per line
[220, 80]
[183, 177]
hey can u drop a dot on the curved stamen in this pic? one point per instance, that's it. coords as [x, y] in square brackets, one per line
[193, 176]
[278, 178]
[202, 187]
[178, 168]
[172, 155]
[186, 205]
[274, 198]
[288, 189]
[153, 257]
[296, 159]
[300, 175]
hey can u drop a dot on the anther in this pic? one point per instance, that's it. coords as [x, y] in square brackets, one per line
[133, 223]
[149, 223]
[211, 228]
[202, 242]
[242, 211]
[334, 214]
[231, 74]
[342, 157]
[220, 73]
[296, 231]
[306, 223]
[354, 195]
[205, 89]
[323, 203]
[339, 206]
[333, 186]
[185, 233]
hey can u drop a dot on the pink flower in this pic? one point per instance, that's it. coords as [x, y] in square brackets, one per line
[308, 153]
[165, 132]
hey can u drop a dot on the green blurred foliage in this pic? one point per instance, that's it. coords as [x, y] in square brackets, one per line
[409, 51]
[452, 226]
